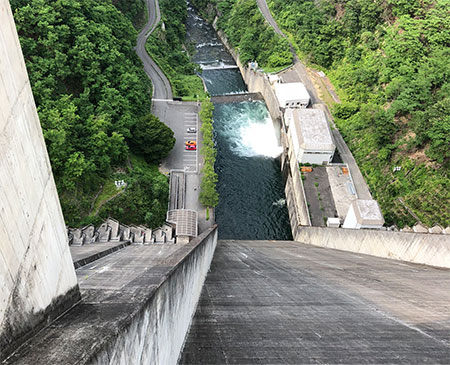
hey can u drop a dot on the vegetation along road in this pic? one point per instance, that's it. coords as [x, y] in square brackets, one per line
[161, 85]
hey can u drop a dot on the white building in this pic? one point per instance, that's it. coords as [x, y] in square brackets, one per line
[310, 134]
[364, 214]
[292, 95]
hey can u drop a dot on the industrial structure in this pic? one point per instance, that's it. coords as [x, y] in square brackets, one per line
[310, 134]
[364, 214]
[292, 95]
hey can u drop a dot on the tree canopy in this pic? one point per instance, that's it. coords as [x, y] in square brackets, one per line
[152, 138]
[90, 90]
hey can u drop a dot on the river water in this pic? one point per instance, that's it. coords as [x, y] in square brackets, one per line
[252, 204]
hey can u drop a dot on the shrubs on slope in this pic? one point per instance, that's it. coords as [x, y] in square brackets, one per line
[390, 61]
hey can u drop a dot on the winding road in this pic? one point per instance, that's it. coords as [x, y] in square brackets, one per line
[161, 85]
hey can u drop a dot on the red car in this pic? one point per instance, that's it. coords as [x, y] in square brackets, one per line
[191, 147]
[190, 143]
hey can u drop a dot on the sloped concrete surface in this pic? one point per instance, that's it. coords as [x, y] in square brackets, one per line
[287, 303]
[136, 307]
[37, 279]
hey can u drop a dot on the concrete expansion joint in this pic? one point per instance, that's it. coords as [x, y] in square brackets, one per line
[18, 102]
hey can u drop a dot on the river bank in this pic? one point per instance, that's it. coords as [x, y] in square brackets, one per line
[252, 202]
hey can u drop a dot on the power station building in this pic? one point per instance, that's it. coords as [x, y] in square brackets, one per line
[364, 214]
[310, 134]
[292, 95]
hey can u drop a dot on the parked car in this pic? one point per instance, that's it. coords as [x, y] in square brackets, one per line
[191, 147]
[190, 143]
[191, 130]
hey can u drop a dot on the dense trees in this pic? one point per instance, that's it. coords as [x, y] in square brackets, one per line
[247, 31]
[390, 61]
[89, 88]
[152, 138]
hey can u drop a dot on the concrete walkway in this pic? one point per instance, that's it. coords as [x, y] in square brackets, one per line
[361, 187]
[267, 302]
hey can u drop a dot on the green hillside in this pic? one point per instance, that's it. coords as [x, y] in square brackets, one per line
[389, 62]
[93, 100]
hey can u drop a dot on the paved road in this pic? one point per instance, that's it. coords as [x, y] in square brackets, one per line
[362, 190]
[268, 15]
[161, 85]
[267, 302]
[179, 116]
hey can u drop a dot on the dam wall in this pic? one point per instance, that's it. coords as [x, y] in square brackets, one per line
[157, 332]
[420, 248]
[37, 278]
[258, 82]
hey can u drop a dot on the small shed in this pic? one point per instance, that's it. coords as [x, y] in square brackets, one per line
[292, 95]
[333, 222]
[310, 134]
[364, 214]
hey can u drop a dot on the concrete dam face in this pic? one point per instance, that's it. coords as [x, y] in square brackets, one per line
[262, 301]
[37, 278]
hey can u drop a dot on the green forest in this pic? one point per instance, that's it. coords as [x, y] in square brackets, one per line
[248, 32]
[389, 61]
[93, 100]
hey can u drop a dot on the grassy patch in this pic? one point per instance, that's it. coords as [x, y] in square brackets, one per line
[193, 85]
[274, 70]
[108, 191]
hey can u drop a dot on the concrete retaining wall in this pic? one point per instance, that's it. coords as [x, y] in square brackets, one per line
[37, 278]
[157, 334]
[256, 82]
[419, 248]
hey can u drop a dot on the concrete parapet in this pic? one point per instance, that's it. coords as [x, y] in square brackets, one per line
[90, 234]
[137, 234]
[78, 237]
[156, 335]
[437, 229]
[104, 233]
[115, 229]
[420, 228]
[160, 236]
[420, 248]
[125, 231]
[148, 235]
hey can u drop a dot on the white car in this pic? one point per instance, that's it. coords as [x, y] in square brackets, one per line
[191, 130]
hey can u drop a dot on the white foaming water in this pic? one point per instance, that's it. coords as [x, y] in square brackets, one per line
[249, 130]
[280, 203]
[259, 139]
[216, 66]
[208, 44]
